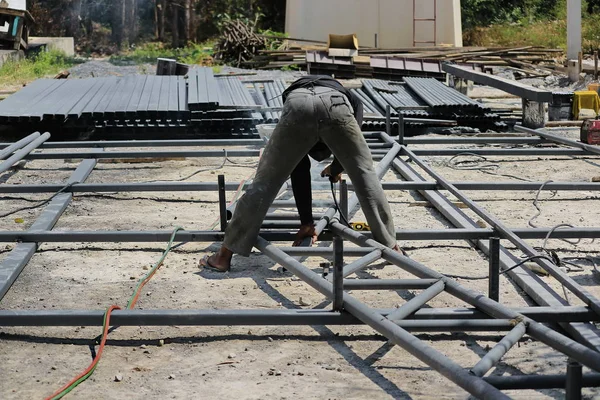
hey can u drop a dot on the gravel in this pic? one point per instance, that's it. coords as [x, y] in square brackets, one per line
[103, 68]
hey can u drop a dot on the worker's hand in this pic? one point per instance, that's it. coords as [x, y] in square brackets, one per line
[305, 231]
[327, 172]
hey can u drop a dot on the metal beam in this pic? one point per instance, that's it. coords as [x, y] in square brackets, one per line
[559, 139]
[14, 263]
[507, 85]
[579, 352]
[317, 185]
[393, 332]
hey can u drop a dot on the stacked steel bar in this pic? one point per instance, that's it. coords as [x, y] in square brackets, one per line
[269, 94]
[203, 89]
[235, 112]
[439, 96]
[98, 101]
[429, 98]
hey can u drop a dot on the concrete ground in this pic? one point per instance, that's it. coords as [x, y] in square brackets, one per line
[315, 362]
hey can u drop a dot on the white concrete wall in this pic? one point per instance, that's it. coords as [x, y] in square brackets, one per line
[392, 20]
[16, 4]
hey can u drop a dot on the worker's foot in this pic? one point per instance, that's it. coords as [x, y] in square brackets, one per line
[306, 231]
[400, 250]
[219, 262]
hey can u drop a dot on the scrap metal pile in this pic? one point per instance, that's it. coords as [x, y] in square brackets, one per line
[201, 104]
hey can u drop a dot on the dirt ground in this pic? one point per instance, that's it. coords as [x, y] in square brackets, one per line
[305, 362]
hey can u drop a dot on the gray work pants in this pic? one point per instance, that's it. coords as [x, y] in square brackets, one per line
[309, 116]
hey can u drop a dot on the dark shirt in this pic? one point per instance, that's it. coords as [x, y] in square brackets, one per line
[300, 177]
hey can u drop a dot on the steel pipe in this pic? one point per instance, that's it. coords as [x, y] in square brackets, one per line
[387, 284]
[11, 148]
[317, 185]
[559, 139]
[361, 263]
[394, 333]
[533, 382]
[552, 338]
[210, 236]
[492, 358]
[531, 284]
[552, 269]
[23, 152]
[417, 302]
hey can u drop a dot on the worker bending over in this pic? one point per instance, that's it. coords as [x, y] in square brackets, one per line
[319, 116]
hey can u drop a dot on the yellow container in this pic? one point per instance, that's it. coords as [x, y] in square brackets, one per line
[594, 87]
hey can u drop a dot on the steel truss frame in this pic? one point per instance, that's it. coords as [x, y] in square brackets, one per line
[570, 330]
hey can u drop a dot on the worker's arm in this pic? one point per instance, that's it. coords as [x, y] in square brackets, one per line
[302, 191]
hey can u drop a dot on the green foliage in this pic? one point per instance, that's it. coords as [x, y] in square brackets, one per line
[193, 53]
[548, 28]
[41, 65]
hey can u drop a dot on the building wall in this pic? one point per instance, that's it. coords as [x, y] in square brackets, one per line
[17, 4]
[392, 20]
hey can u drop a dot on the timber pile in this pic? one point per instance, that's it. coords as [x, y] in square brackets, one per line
[394, 64]
[239, 43]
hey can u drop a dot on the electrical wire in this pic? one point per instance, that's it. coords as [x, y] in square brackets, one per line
[44, 202]
[105, 330]
[488, 168]
[225, 160]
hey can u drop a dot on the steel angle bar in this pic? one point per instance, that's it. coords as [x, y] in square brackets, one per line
[533, 382]
[507, 85]
[417, 302]
[504, 231]
[537, 289]
[149, 143]
[393, 332]
[492, 357]
[12, 265]
[558, 139]
[567, 346]
[23, 152]
[11, 148]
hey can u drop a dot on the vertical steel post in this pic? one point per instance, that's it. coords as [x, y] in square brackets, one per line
[338, 273]
[494, 277]
[222, 203]
[343, 201]
[401, 128]
[574, 380]
[388, 120]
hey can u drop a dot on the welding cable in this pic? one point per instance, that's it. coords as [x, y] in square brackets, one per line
[105, 330]
[59, 394]
[488, 168]
[44, 202]
[337, 206]
[523, 261]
